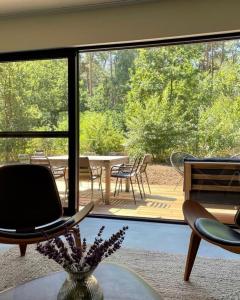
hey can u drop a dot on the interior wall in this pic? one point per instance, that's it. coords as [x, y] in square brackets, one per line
[153, 20]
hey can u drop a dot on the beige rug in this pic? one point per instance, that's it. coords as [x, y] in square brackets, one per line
[210, 279]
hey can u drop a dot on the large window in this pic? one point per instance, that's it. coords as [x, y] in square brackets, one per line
[159, 100]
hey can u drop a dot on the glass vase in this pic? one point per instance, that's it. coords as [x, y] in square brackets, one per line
[80, 286]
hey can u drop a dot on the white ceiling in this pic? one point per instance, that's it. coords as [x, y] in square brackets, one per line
[12, 7]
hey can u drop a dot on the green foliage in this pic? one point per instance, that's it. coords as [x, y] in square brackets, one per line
[162, 111]
[104, 78]
[156, 100]
[33, 96]
[98, 134]
[219, 131]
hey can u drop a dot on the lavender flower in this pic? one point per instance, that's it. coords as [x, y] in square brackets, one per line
[74, 255]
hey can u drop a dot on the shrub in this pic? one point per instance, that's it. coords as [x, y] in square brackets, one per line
[99, 134]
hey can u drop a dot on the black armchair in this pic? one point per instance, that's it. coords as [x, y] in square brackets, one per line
[31, 210]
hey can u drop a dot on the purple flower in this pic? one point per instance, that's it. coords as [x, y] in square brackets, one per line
[73, 254]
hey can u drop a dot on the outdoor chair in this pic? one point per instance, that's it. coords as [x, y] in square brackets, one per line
[31, 210]
[115, 169]
[95, 169]
[127, 172]
[177, 161]
[39, 158]
[24, 158]
[58, 172]
[143, 170]
[88, 174]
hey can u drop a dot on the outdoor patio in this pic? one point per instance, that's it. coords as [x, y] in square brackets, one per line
[164, 202]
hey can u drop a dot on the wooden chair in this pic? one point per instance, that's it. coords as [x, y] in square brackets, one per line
[39, 158]
[86, 173]
[206, 182]
[31, 210]
[143, 170]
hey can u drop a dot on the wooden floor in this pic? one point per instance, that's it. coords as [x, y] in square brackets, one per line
[164, 202]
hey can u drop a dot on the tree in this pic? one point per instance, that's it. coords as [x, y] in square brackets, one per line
[162, 98]
[219, 130]
[33, 96]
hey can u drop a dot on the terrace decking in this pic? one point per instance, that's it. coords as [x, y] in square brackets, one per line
[165, 202]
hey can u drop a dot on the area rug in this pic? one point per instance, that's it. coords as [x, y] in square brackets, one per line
[210, 279]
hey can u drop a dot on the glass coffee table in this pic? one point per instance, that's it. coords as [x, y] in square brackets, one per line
[117, 282]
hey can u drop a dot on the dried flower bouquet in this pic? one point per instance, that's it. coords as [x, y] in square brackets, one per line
[74, 255]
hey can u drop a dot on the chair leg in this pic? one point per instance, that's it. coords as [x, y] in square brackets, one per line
[100, 181]
[66, 187]
[101, 189]
[132, 190]
[141, 180]
[91, 190]
[192, 252]
[139, 187]
[119, 186]
[147, 182]
[23, 248]
[115, 187]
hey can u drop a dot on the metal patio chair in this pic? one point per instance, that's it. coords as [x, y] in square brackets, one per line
[177, 161]
[128, 172]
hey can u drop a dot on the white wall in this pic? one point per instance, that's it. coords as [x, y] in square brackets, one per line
[161, 19]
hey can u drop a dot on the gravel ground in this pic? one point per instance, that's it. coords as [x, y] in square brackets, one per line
[160, 174]
[163, 175]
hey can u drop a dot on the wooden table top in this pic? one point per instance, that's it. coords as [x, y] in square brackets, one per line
[106, 158]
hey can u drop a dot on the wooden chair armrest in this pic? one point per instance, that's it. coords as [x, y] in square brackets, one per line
[72, 221]
[42, 235]
[193, 210]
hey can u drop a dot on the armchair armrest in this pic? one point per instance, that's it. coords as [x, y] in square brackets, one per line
[49, 231]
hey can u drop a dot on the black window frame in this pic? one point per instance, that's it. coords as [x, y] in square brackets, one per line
[73, 114]
[72, 55]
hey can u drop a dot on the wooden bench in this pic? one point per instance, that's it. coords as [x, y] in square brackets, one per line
[215, 184]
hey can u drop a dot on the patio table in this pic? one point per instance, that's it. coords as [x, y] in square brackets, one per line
[96, 160]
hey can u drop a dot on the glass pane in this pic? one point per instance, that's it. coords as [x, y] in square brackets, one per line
[180, 99]
[51, 152]
[34, 95]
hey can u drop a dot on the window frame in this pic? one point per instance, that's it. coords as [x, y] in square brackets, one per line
[73, 114]
[72, 55]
